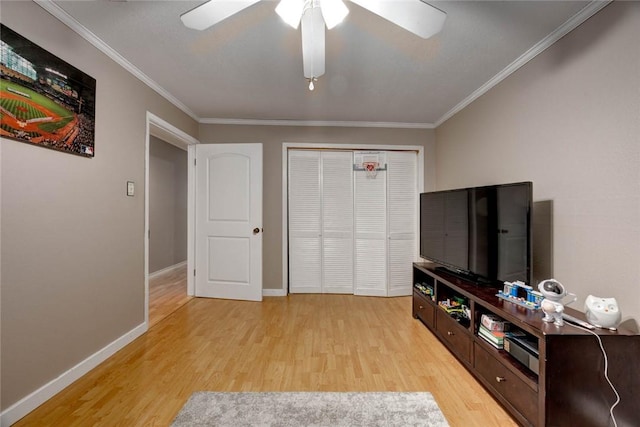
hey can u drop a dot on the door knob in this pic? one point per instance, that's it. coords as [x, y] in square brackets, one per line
[256, 230]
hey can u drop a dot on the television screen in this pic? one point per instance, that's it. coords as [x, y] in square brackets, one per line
[482, 232]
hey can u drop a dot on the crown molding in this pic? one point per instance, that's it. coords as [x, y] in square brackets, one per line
[316, 123]
[76, 26]
[588, 11]
[572, 23]
[71, 22]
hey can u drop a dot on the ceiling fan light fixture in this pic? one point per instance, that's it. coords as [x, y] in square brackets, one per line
[313, 43]
[312, 80]
[417, 17]
[333, 12]
[291, 11]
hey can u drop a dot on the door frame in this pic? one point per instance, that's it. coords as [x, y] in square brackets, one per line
[286, 146]
[161, 129]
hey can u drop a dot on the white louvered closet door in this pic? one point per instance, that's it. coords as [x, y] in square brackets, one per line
[402, 187]
[305, 232]
[337, 222]
[370, 196]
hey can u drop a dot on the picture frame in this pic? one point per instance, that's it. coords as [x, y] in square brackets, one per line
[44, 100]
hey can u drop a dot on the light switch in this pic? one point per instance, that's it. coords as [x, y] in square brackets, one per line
[131, 188]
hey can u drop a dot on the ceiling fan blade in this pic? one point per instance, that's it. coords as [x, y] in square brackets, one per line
[415, 16]
[212, 12]
[313, 43]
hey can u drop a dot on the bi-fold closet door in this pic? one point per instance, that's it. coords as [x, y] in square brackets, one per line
[320, 222]
[350, 232]
[386, 209]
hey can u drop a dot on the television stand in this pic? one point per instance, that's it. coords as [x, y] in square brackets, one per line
[468, 276]
[553, 389]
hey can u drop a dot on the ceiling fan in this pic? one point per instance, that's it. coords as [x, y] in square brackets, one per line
[415, 16]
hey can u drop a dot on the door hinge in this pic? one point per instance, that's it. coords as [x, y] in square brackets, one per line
[195, 162]
[194, 272]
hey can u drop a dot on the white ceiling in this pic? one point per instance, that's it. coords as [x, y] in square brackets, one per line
[249, 67]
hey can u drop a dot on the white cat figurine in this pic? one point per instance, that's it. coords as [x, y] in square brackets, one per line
[602, 312]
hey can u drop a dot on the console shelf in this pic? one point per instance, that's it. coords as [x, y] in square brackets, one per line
[569, 388]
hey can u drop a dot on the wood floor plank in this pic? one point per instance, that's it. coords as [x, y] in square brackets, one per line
[293, 343]
[167, 293]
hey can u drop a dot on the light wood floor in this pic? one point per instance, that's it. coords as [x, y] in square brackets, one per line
[167, 293]
[294, 343]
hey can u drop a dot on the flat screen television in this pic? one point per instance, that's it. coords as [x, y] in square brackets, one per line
[481, 233]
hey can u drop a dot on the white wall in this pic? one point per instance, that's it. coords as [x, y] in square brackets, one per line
[570, 122]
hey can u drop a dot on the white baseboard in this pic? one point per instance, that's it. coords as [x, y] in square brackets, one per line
[27, 404]
[274, 293]
[399, 292]
[167, 269]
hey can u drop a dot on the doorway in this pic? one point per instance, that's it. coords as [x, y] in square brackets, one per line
[368, 248]
[169, 207]
[167, 228]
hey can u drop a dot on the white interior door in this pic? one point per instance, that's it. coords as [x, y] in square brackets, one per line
[229, 221]
[305, 222]
[370, 196]
[320, 213]
[402, 206]
[337, 222]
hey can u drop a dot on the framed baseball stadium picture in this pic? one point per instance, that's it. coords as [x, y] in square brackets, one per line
[44, 100]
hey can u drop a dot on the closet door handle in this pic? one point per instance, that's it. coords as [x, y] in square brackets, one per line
[257, 230]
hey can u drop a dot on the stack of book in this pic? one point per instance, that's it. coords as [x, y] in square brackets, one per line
[494, 338]
[492, 330]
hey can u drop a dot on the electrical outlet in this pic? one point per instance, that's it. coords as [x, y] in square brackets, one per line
[131, 188]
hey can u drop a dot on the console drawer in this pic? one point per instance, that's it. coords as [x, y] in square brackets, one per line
[424, 310]
[506, 383]
[458, 338]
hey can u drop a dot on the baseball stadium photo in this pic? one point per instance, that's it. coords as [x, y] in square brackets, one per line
[44, 100]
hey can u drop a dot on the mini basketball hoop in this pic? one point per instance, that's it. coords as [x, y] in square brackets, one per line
[371, 168]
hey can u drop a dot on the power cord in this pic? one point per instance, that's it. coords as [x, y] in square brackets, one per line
[606, 370]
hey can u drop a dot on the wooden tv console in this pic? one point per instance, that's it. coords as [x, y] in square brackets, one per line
[570, 389]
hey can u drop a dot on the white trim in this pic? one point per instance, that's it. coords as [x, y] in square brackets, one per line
[588, 11]
[285, 211]
[167, 132]
[167, 269]
[316, 123]
[76, 26]
[274, 293]
[191, 220]
[572, 23]
[47, 391]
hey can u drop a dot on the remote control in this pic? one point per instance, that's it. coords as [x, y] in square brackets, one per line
[577, 321]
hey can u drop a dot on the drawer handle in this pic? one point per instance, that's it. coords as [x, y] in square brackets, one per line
[501, 379]
[450, 333]
[421, 307]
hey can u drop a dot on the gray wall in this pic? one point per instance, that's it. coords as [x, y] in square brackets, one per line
[167, 205]
[72, 242]
[570, 122]
[272, 138]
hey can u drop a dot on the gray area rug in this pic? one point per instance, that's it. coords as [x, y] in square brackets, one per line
[310, 409]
